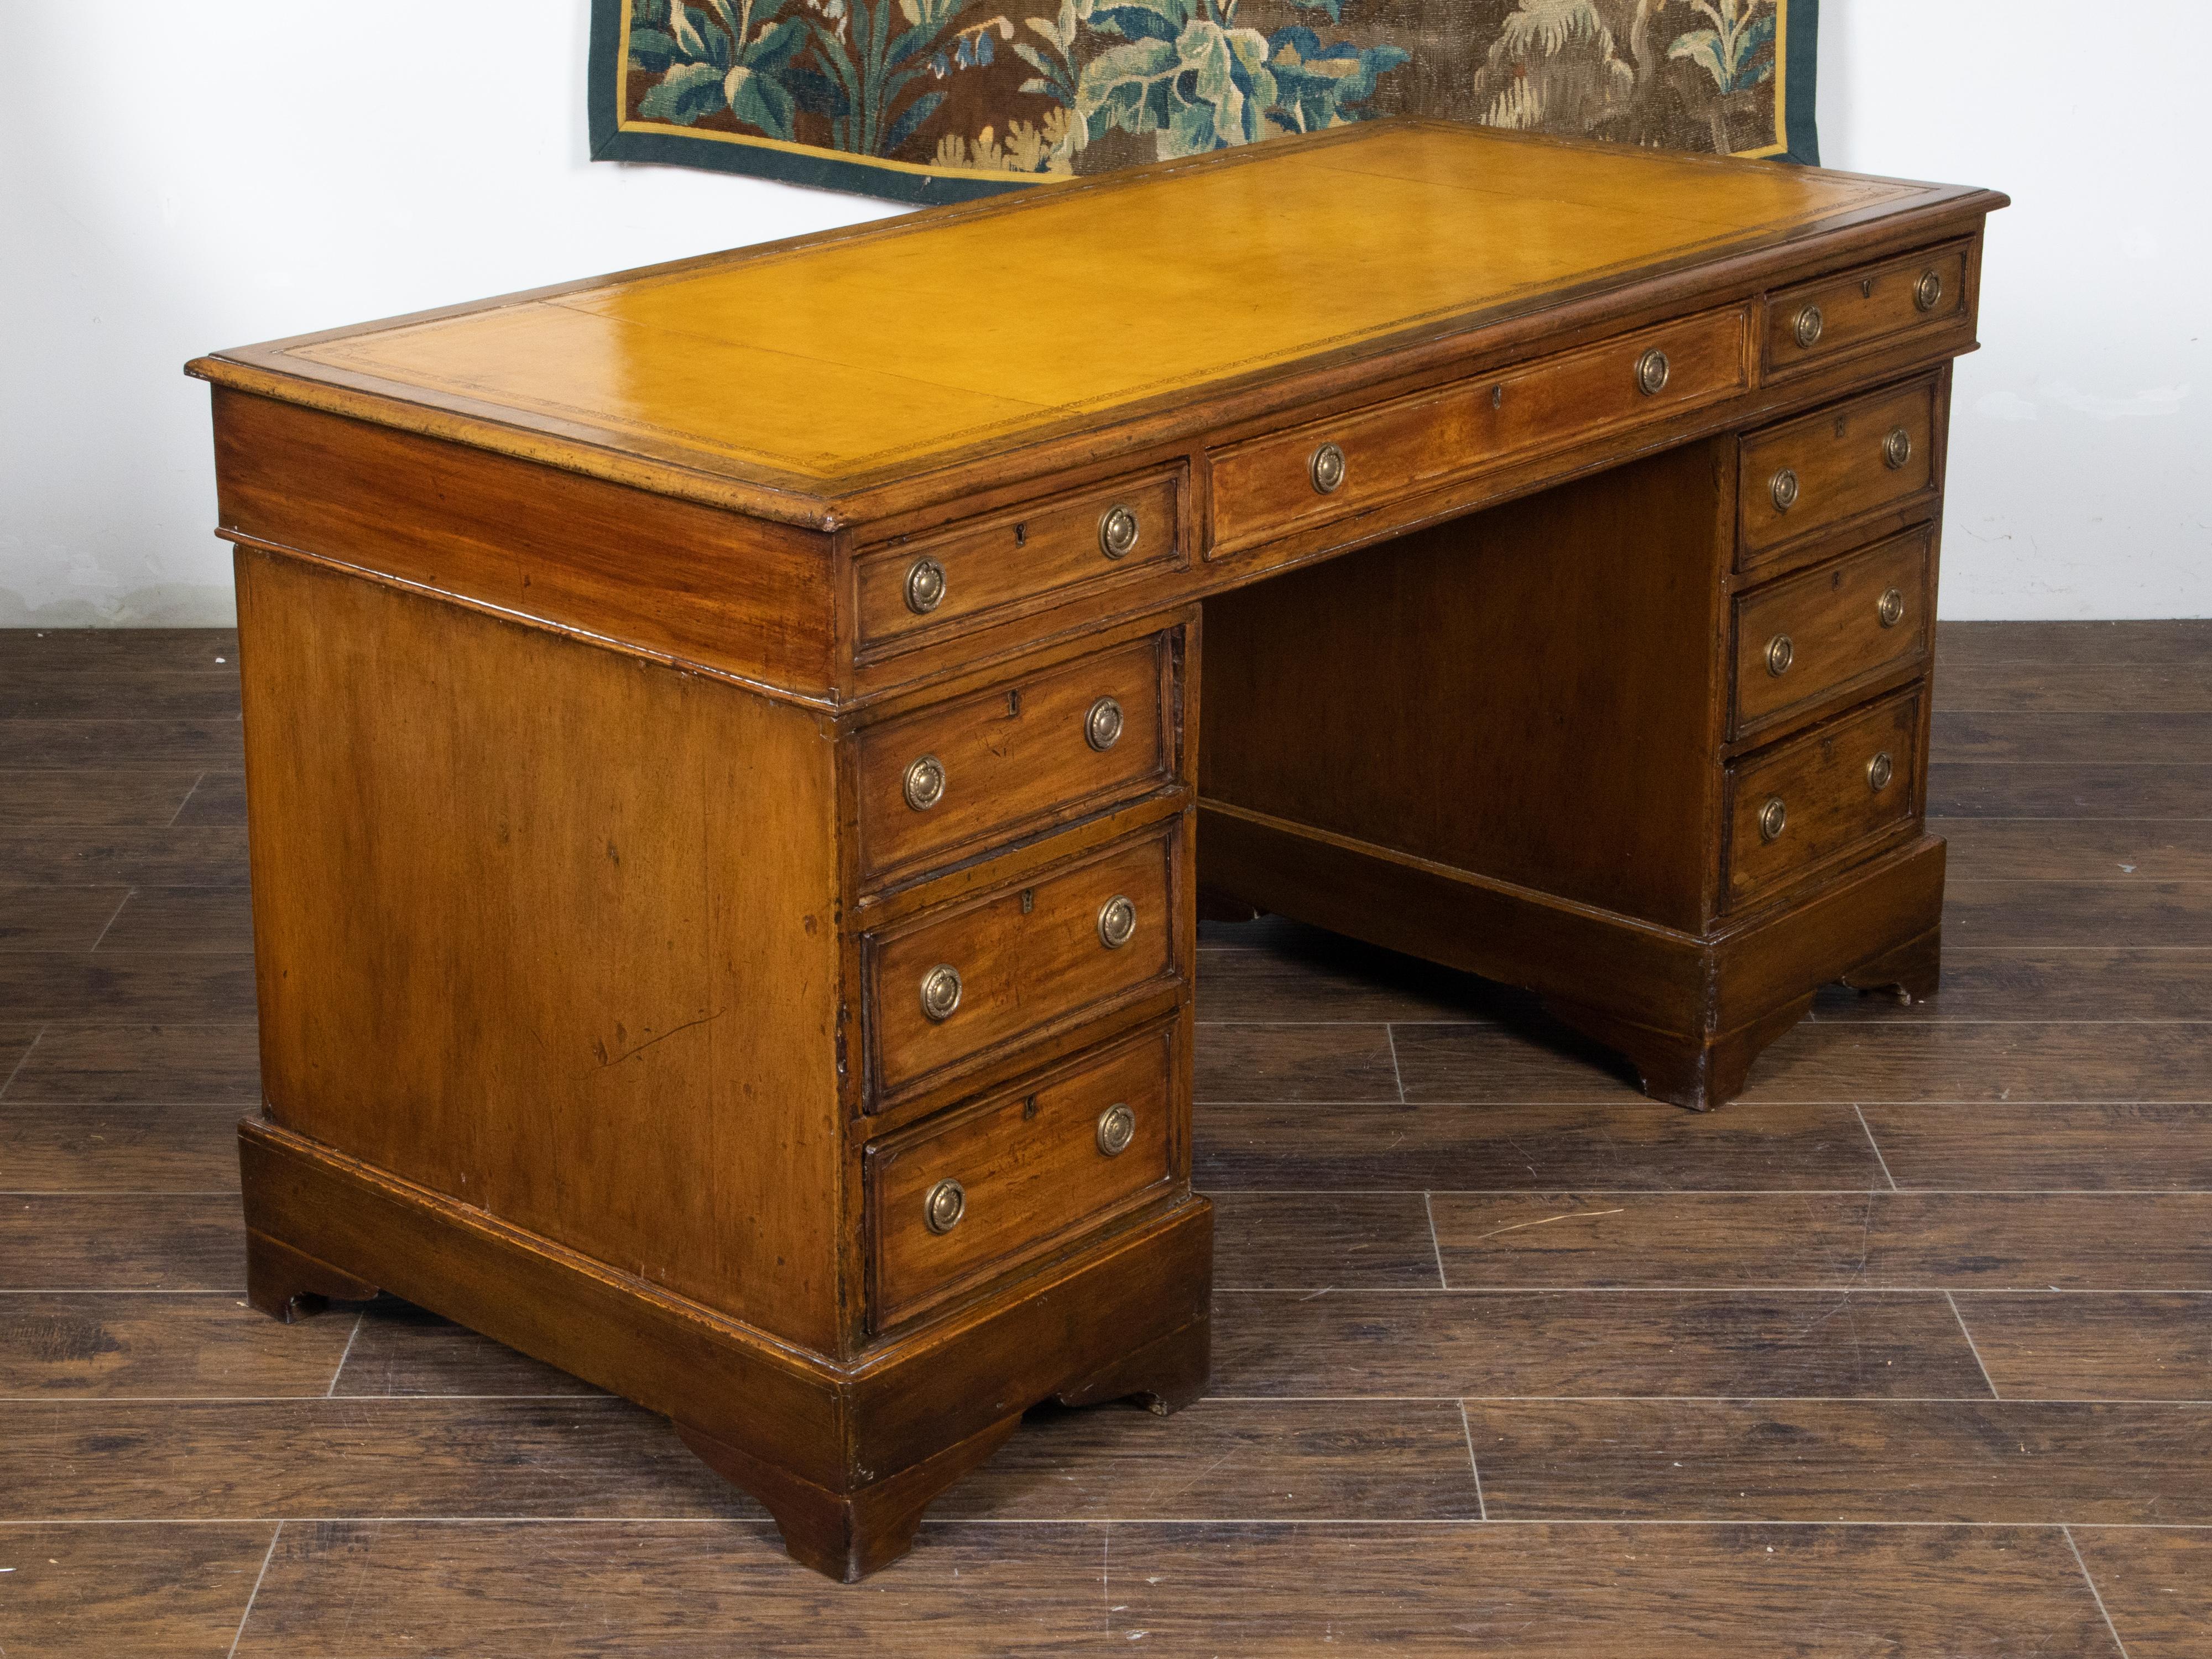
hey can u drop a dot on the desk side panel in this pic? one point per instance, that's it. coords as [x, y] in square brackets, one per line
[665, 576]
[551, 930]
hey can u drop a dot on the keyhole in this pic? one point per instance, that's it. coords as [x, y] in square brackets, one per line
[1028, 900]
[1021, 535]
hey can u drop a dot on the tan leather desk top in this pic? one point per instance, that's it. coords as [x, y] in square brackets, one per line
[821, 366]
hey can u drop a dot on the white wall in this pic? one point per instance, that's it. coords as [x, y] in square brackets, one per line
[2081, 431]
[175, 177]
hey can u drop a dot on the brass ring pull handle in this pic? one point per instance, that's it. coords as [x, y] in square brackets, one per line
[940, 993]
[1780, 653]
[1889, 610]
[924, 586]
[1928, 292]
[1102, 727]
[1652, 370]
[1784, 489]
[1773, 820]
[1327, 469]
[1880, 770]
[1896, 449]
[924, 783]
[1809, 327]
[1117, 922]
[1117, 1127]
[946, 1203]
[1118, 531]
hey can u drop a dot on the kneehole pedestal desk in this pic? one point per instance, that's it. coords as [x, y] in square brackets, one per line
[728, 785]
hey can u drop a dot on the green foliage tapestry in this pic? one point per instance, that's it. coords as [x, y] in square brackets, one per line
[946, 99]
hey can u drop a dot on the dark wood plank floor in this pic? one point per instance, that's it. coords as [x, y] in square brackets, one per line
[1910, 1352]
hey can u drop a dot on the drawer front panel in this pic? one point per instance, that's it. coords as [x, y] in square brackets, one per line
[1800, 641]
[1270, 486]
[1797, 806]
[1029, 749]
[1825, 469]
[981, 1188]
[1861, 310]
[1021, 960]
[1050, 551]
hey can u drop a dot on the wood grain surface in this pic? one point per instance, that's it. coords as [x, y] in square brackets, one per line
[1835, 467]
[1507, 1357]
[2156, 1586]
[499, 1064]
[1846, 1459]
[701, 1590]
[164, 1592]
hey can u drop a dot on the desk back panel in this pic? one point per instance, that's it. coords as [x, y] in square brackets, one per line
[1528, 694]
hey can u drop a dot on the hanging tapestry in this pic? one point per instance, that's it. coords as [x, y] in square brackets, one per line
[933, 100]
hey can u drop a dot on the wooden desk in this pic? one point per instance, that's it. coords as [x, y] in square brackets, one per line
[727, 780]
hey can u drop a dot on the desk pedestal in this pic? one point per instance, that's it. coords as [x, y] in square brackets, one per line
[845, 1457]
[1580, 743]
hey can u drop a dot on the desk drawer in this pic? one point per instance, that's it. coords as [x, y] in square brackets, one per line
[1813, 801]
[976, 1190]
[1801, 642]
[1861, 310]
[1043, 745]
[1336, 469]
[1049, 551]
[1824, 470]
[952, 986]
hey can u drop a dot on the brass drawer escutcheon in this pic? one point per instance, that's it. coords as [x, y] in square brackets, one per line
[1809, 327]
[1117, 1127]
[924, 586]
[1889, 610]
[1118, 531]
[940, 993]
[1896, 449]
[1781, 652]
[1928, 292]
[1880, 770]
[946, 1203]
[1327, 468]
[1773, 820]
[1652, 371]
[1117, 922]
[1102, 727]
[1784, 489]
[924, 784]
